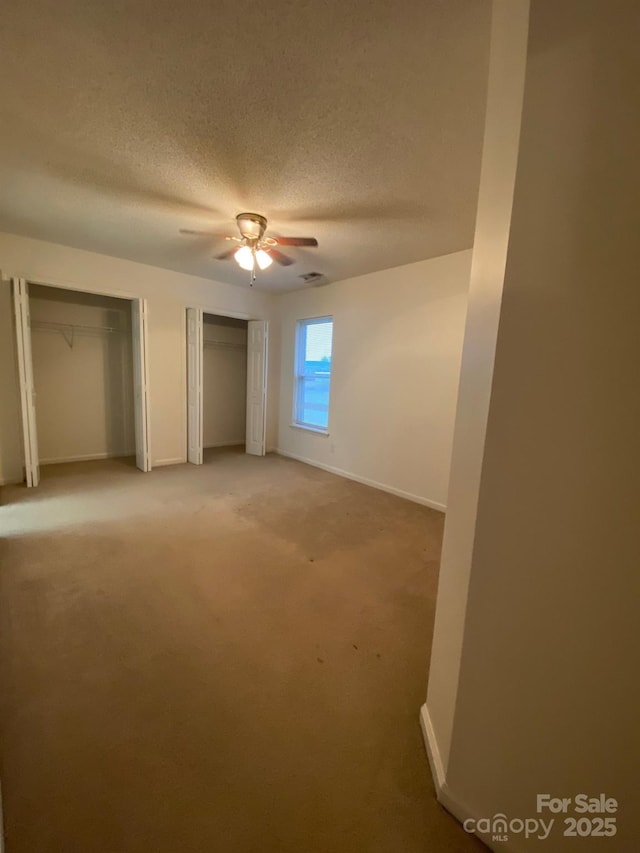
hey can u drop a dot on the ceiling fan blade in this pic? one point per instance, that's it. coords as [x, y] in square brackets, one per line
[281, 258]
[296, 241]
[205, 234]
[225, 255]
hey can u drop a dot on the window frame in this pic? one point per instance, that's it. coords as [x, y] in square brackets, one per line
[298, 372]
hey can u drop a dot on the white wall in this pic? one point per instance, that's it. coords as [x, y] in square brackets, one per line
[168, 294]
[224, 382]
[548, 694]
[499, 159]
[397, 342]
[84, 391]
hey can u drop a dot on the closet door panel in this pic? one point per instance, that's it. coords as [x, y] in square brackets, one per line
[194, 386]
[257, 340]
[25, 375]
[141, 382]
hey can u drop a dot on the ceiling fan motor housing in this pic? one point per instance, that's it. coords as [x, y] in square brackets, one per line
[251, 225]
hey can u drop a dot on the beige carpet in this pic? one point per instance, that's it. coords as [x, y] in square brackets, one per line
[228, 658]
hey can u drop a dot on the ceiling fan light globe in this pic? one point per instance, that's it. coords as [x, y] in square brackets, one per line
[244, 258]
[263, 259]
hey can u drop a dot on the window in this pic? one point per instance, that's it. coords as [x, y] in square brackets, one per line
[313, 373]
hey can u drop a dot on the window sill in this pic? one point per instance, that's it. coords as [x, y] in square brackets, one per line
[318, 430]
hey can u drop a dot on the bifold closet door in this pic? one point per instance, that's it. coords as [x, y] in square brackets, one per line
[194, 386]
[141, 382]
[25, 376]
[257, 339]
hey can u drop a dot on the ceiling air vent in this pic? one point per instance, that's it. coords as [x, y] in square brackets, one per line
[312, 277]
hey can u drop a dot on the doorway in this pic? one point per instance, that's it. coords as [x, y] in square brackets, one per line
[226, 383]
[82, 361]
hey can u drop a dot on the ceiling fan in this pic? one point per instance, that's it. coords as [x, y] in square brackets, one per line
[254, 249]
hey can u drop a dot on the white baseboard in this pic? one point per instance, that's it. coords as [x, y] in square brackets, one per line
[175, 460]
[88, 457]
[444, 795]
[433, 753]
[226, 443]
[365, 481]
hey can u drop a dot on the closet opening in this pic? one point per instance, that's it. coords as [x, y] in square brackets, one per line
[83, 377]
[226, 385]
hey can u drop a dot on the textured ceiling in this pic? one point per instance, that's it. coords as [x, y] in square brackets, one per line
[359, 123]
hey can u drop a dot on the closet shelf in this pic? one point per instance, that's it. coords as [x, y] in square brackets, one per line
[69, 330]
[224, 344]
